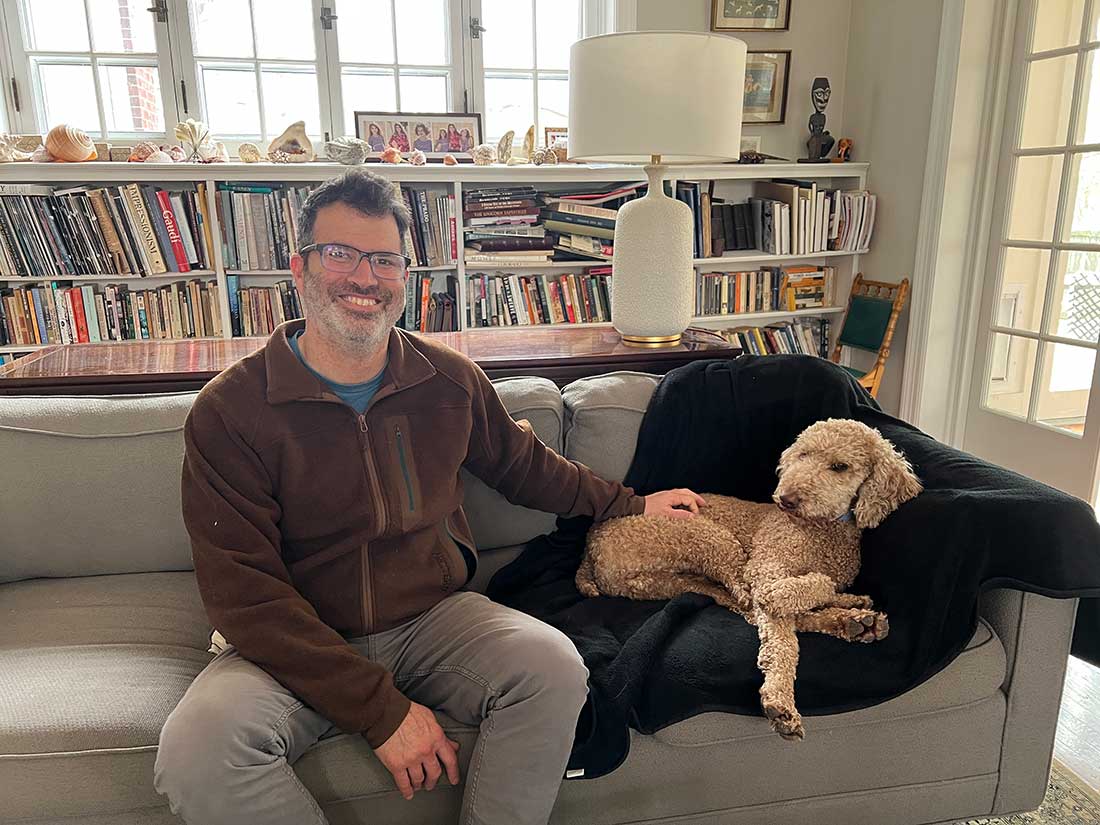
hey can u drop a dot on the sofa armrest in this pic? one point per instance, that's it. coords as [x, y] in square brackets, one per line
[1036, 632]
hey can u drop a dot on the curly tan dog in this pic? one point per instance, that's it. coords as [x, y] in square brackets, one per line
[781, 567]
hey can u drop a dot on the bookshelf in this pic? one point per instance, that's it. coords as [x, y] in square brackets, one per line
[732, 182]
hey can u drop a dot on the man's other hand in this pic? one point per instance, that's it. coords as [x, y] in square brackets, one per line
[681, 503]
[415, 751]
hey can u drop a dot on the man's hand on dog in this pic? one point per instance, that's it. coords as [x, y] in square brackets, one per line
[680, 503]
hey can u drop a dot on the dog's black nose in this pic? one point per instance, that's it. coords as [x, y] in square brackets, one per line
[788, 501]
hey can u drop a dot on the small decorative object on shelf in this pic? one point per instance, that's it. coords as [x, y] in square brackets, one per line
[143, 150]
[450, 160]
[418, 158]
[177, 153]
[483, 154]
[350, 151]
[751, 156]
[541, 156]
[160, 156]
[120, 154]
[9, 151]
[70, 144]
[391, 154]
[843, 151]
[278, 156]
[504, 147]
[249, 153]
[198, 145]
[433, 133]
[820, 142]
[102, 150]
[294, 143]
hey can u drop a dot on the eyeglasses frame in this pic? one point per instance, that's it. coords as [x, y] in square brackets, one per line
[316, 247]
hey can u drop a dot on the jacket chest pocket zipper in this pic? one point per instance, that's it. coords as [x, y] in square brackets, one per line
[405, 469]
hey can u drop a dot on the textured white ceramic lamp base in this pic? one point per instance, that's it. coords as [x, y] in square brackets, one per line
[652, 289]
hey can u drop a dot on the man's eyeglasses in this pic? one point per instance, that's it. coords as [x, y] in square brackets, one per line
[338, 257]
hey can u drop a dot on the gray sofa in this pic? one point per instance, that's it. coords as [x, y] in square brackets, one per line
[102, 630]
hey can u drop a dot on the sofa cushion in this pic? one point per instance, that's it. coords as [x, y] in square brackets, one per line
[495, 522]
[603, 414]
[92, 485]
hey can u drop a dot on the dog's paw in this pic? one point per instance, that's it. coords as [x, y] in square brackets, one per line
[865, 626]
[785, 720]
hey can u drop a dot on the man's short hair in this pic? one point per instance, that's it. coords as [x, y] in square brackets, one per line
[364, 192]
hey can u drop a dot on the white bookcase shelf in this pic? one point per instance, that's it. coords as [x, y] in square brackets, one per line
[737, 319]
[731, 181]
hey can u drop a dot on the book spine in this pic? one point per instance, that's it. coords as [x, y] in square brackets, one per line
[76, 308]
[144, 225]
[174, 239]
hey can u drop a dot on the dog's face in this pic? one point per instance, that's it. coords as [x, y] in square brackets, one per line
[839, 465]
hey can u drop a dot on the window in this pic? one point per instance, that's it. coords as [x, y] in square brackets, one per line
[1049, 268]
[95, 64]
[249, 68]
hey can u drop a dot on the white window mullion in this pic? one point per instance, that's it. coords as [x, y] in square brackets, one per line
[328, 75]
[396, 57]
[460, 73]
[473, 59]
[27, 118]
[181, 45]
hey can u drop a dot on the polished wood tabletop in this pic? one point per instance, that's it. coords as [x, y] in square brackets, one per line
[561, 354]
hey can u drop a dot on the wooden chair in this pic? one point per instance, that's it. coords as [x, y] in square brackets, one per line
[869, 321]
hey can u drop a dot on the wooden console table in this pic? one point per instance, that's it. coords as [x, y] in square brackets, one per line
[561, 354]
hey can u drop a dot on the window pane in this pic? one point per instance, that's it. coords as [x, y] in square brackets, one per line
[422, 32]
[509, 104]
[1023, 286]
[1011, 371]
[507, 41]
[290, 96]
[1047, 102]
[222, 28]
[1083, 226]
[367, 93]
[364, 31]
[1094, 26]
[558, 27]
[56, 25]
[122, 26]
[1064, 391]
[232, 107]
[69, 94]
[423, 93]
[553, 104]
[1035, 198]
[1077, 297]
[131, 98]
[1088, 124]
[284, 31]
[1057, 24]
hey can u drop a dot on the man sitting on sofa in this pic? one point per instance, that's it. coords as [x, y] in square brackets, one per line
[321, 492]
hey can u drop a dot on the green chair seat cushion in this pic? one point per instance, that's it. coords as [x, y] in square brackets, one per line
[866, 324]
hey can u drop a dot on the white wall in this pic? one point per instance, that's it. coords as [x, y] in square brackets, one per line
[818, 41]
[893, 47]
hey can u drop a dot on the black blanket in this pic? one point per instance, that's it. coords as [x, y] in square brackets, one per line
[719, 427]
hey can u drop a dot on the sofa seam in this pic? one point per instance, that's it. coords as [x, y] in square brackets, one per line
[59, 434]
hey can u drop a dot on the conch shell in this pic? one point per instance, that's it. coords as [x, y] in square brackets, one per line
[294, 143]
[70, 144]
[9, 150]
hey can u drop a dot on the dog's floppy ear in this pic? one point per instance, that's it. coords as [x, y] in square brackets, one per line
[891, 483]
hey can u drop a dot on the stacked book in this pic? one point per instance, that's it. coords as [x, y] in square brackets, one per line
[502, 227]
[259, 224]
[526, 300]
[131, 229]
[432, 238]
[584, 220]
[796, 217]
[60, 313]
[768, 289]
[428, 309]
[802, 336]
[257, 310]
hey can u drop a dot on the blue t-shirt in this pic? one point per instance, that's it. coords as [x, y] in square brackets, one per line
[357, 396]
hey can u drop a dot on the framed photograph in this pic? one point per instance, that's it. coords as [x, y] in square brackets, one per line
[766, 76]
[434, 133]
[552, 133]
[750, 15]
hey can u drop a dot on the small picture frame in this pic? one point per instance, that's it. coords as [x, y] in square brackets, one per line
[750, 15]
[766, 78]
[435, 133]
[552, 133]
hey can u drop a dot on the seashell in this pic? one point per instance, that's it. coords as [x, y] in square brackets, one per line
[278, 156]
[9, 151]
[120, 154]
[294, 143]
[349, 151]
[176, 152]
[221, 154]
[483, 154]
[504, 147]
[40, 155]
[541, 156]
[450, 160]
[143, 150]
[418, 158]
[529, 142]
[69, 143]
[196, 140]
[159, 157]
[249, 153]
[391, 154]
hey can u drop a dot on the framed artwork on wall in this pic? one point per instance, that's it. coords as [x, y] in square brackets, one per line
[766, 76]
[750, 15]
[434, 133]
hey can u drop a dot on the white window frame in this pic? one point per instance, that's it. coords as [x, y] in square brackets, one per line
[30, 115]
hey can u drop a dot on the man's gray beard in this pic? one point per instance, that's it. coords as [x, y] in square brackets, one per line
[353, 337]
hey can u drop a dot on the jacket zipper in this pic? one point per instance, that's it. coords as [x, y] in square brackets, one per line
[380, 514]
[405, 470]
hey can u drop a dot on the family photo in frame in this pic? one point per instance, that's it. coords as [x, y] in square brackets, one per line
[436, 134]
[750, 15]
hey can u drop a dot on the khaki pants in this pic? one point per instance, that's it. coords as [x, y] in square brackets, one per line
[226, 750]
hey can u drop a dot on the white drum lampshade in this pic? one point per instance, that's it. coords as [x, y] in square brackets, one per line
[655, 98]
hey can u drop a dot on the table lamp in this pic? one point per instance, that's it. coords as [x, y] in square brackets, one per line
[655, 98]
